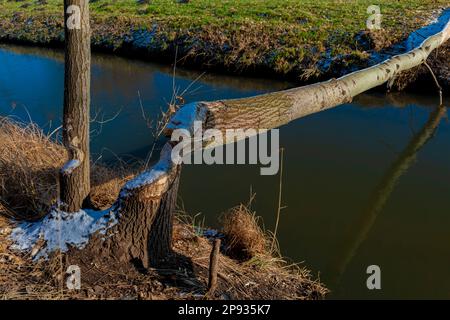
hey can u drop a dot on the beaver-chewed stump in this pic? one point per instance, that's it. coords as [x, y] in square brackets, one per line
[145, 210]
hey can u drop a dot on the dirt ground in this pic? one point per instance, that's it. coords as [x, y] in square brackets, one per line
[183, 276]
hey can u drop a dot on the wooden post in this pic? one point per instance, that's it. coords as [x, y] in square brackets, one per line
[75, 175]
[213, 267]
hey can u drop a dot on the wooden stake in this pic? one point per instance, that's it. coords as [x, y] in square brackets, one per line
[213, 262]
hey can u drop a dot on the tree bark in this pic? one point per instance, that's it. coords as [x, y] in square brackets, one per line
[146, 206]
[160, 236]
[75, 175]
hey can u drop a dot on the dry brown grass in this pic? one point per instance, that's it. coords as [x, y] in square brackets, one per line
[21, 278]
[29, 164]
[263, 275]
[30, 161]
[18, 276]
[415, 77]
[245, 237]
[251, 266]
[106, 184]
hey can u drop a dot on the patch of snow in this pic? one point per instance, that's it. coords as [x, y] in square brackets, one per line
[416, 38]
[59, 230]
[210, 233]
[186, 116]
[160, 169]
[70, 166]
[143, 38]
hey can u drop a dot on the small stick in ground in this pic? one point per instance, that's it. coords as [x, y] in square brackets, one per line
[213, 268]
[279, 208]
[436, 81]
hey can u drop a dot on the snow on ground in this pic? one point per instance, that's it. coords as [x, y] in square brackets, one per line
[59, 230]
[416, 38]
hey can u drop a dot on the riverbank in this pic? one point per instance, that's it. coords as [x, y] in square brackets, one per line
[306, 42]
[248, 266]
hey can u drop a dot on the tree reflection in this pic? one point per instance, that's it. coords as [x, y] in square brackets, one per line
[359, 230]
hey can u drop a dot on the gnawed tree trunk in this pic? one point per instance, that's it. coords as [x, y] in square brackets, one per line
[160, 236]
[145, 206]
[75, 175]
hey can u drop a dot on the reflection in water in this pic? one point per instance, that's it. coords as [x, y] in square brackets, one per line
[31, 81]
[361, 227]
[108, 62]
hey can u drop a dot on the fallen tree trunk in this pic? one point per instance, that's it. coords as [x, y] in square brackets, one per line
[275, 109]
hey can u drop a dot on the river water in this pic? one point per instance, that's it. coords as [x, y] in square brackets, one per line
[366, 183]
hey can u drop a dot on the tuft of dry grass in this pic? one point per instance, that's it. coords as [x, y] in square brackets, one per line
[265, 275]
[106, 183]
[245, 238]
[29, 165]
[30, 161]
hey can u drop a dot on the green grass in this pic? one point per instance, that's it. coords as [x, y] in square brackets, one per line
[289, 33]
[315, 17]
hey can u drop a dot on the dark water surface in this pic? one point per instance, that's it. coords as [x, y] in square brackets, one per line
[365, 183]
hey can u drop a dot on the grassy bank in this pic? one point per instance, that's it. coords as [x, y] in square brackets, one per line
[285, 37]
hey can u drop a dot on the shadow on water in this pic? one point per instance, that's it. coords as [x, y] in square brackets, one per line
[111, 62]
